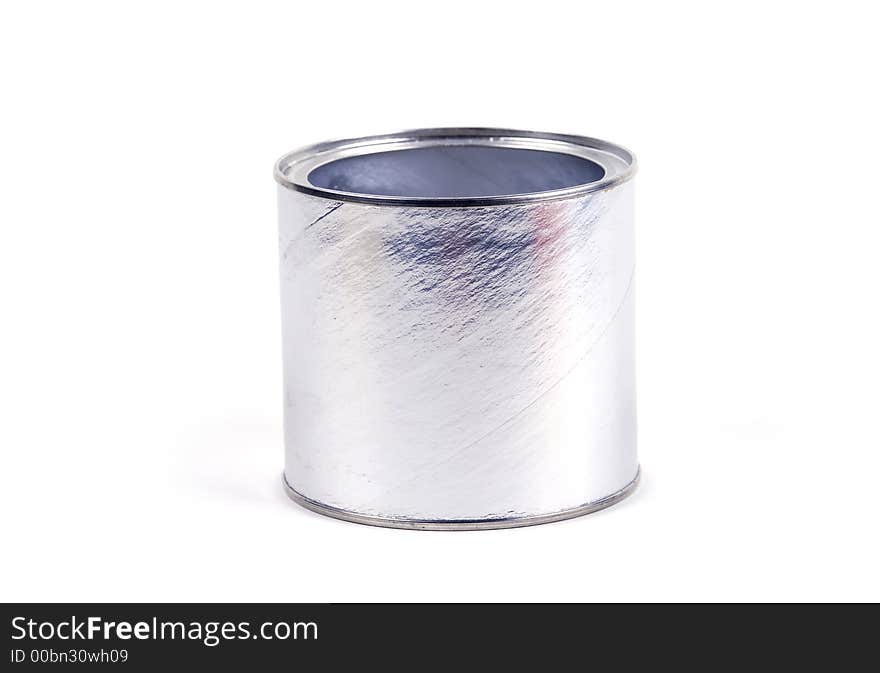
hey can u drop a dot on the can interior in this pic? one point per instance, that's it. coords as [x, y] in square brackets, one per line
[455, 171]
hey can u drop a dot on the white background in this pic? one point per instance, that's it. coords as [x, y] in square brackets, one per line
[140, 374]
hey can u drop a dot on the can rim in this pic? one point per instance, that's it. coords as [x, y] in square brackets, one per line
[492, 523]
[292, 169]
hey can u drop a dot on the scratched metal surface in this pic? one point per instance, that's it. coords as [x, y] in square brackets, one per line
[458, 363]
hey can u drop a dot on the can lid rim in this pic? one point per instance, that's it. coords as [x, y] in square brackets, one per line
[292, 170]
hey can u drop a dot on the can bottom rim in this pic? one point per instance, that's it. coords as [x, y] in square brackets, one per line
[460, 524]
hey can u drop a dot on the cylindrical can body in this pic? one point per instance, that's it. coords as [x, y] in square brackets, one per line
[458, 359]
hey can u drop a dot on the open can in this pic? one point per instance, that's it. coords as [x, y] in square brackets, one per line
[457, 310]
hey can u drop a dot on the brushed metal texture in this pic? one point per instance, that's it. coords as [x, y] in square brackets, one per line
[458, 364]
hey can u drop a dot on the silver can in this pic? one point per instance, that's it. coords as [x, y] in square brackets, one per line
[457, 310]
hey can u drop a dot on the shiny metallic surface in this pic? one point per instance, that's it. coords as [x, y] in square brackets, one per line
[293, 169]
[457, 361]
[461, 524]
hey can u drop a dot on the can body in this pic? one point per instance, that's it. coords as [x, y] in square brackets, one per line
[458, 364]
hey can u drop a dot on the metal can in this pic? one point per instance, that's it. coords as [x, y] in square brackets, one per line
[457, 311]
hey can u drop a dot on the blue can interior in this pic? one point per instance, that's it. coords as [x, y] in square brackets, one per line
[456, 171]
